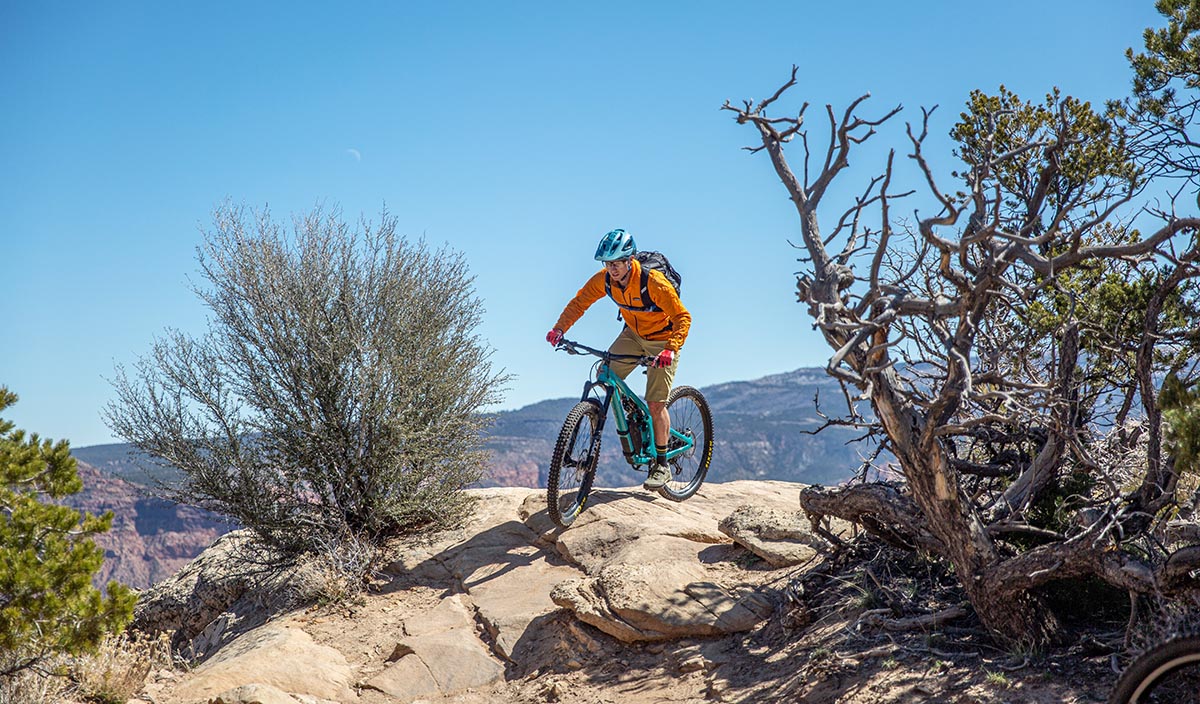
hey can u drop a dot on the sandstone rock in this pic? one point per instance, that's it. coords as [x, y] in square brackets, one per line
[202, 591]
[607, 528]
[229, 589]
[491, 525]
[635, 566]
[510, 588]
[494, 560]
[645, 559]
[616, 517]
[282, 657]
[660, 599]
[450, 613]
[406, 680]
[438, 664]
[781, 537]
[254, 694]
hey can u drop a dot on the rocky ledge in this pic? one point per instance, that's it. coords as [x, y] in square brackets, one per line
[489, 603]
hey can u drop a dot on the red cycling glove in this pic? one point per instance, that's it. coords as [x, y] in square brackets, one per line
[664, 359]
[554, 336]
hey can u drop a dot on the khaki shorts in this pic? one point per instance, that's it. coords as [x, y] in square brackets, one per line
[658, 381]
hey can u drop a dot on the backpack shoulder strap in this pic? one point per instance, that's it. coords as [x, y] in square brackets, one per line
[647, 303]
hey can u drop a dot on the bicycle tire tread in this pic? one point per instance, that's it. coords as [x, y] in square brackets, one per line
[1151, 666]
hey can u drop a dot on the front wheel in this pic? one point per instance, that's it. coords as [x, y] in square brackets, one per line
[690, 418]
[573, 464]
[1168, 672]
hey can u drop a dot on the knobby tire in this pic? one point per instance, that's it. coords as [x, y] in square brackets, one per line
[1168, 672]
[573, 464]
[689, 415]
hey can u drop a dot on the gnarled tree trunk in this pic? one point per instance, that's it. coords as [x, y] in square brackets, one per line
[979, 319]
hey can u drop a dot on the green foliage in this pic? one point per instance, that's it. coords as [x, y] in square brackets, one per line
[1043, 157]
[1056, 167]
[1059, 501]
[1172, 55]
[998, 680]
[47, 559]
[1181, 413]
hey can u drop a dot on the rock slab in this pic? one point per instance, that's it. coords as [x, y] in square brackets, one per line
[781, 537]
[281, 657]
[441, 656]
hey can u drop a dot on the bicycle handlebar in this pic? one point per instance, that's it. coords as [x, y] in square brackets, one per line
[572, 347]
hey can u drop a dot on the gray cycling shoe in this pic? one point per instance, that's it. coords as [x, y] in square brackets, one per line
[659, 475]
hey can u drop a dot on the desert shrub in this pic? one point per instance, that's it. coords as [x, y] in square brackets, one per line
[337, 391]
[117, 669]
[33, 686]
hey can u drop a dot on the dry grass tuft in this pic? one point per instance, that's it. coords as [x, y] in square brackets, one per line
[337, 575]
[33, 686]
[118, 669]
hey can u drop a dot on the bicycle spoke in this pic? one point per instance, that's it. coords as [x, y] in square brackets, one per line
[689, 419]
[573, 463]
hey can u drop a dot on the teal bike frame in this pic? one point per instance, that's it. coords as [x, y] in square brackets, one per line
[613, 385]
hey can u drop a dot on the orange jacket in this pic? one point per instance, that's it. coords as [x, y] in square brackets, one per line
[670, 324]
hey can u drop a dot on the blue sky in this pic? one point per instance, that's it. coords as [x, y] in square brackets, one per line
[518, 133]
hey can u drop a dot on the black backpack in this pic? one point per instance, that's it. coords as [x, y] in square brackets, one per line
[649, 260]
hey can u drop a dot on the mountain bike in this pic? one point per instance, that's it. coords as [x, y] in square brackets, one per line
[577, 451]
[1168, 673]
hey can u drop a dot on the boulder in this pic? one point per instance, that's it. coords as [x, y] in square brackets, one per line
[616, 517]
[782, 538]
[284, 658]
[227, 590]
[658, 590]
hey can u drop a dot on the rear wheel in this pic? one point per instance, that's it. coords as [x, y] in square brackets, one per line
[1168, 672]
[689, 417]
[573, 464]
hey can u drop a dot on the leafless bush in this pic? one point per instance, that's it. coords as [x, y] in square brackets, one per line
[337, 391]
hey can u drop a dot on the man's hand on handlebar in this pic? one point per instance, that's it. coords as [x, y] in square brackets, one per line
[554, 337]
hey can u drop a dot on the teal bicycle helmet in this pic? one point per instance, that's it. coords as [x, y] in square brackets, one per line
[617, 244]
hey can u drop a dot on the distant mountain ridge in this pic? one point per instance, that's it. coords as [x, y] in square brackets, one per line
[760, 430]
[151, 538]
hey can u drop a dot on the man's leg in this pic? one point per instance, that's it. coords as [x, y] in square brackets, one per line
[625, 343]
[662, 422]
[658, 390]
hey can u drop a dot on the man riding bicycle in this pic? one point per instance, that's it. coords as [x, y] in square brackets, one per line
[656, 325]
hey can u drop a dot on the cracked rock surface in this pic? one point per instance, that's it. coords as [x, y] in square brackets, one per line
[480, 610]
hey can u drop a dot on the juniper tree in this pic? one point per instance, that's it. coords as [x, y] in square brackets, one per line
[335, 398]
[48, 605]
[1002, 338]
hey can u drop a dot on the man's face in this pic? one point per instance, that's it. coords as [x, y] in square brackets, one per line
[618, 269]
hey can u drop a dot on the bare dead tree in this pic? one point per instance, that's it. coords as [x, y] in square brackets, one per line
[998, 342]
